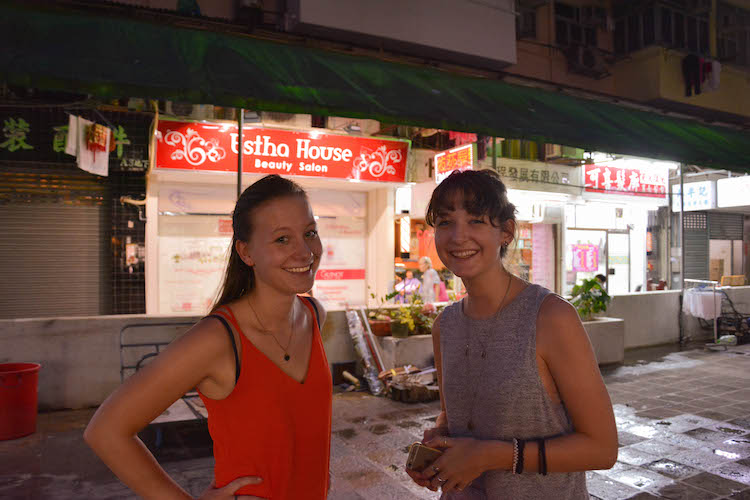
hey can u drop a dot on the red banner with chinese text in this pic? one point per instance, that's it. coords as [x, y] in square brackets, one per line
[617, 180]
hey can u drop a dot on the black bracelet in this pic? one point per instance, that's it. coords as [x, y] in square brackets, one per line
[542, 457]
[521, 445]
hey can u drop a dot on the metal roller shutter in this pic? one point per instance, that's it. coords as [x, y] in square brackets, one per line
[695, 225]
[725, 226]
[54, 255]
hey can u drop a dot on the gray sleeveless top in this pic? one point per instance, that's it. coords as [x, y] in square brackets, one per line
[500, 396]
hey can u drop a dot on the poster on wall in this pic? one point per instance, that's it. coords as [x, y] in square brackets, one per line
[543, 255]
[585, 258]
[214, 147]
[340, 280]
[190, 272]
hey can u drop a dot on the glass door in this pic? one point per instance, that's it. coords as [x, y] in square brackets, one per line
[585, 256]
[618, 262]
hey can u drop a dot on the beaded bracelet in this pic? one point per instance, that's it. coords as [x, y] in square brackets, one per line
[521, 446]
[515, 455]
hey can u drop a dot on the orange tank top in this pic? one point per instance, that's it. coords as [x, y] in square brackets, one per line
[272, 426]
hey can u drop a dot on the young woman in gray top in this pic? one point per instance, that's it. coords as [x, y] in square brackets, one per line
[524, 409]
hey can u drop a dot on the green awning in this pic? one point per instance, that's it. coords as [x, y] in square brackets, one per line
[117, 57]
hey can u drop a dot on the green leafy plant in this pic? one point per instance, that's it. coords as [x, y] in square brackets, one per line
[379, 312]
[590, 298]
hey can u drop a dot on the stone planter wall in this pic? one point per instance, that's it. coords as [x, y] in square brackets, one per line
[414, 350]
[607, 336]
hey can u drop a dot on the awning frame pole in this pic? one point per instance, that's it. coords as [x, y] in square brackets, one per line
[682, 226]
[494, 153]
[240, 124]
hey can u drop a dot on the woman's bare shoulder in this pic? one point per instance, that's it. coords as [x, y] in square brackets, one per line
[558, 324]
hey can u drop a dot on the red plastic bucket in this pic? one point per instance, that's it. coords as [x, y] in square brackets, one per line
[19, 385]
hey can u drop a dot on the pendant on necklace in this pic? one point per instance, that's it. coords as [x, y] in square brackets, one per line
[286, 357]
[470, 425]
[466, 352]
[484, 354]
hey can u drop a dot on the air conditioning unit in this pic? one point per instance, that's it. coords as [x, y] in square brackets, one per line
[278, 119]
[188, 110]
[587, 61]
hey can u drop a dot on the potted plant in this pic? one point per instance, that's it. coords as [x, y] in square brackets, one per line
[607, 335]
[380, 321]
[405, 319]
[590, 298]
[414, 318]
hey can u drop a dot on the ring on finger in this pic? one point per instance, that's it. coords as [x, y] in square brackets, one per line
[436, 469]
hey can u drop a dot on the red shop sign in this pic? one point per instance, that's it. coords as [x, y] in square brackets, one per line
[340, 274]
[214, 146]
[460, 158]
[616, 180]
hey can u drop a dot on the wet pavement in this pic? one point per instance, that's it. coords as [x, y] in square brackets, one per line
[683, 420]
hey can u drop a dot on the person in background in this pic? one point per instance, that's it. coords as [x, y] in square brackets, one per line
[398, 278]
[602, 279]
[443, 295]
[430, 289]
[407, 288]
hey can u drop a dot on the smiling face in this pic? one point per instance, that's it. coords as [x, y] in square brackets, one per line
[284, 247]
[469, 244]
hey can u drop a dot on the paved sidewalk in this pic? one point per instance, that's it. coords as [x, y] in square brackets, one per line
[683, 420]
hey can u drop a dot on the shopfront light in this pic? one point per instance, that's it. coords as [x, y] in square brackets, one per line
[405, 234]
[518, 196]
[403, 199]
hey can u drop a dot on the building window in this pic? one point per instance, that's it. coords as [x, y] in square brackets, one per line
[733, 34]
[577, 25]
[661, 23]
[526, 23]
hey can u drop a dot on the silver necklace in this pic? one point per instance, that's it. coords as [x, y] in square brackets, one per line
[287, 357]
[470, 424]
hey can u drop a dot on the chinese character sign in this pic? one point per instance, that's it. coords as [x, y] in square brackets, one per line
[617, 180]
[585, 258]
[15, 130]
[40, 134]
[698, 196]
[461, 158]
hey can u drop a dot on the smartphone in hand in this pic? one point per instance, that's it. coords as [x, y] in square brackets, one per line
[421, 456]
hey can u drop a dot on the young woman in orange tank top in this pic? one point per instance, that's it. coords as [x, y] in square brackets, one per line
[257, 362]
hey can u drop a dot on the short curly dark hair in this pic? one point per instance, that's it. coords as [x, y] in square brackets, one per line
[483, 193]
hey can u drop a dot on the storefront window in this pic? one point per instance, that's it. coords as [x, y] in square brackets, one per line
[412, 274]
[533, 257]
[193, 251]
[585, 256]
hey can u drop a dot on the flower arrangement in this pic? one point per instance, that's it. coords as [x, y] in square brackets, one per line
[414, 318]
